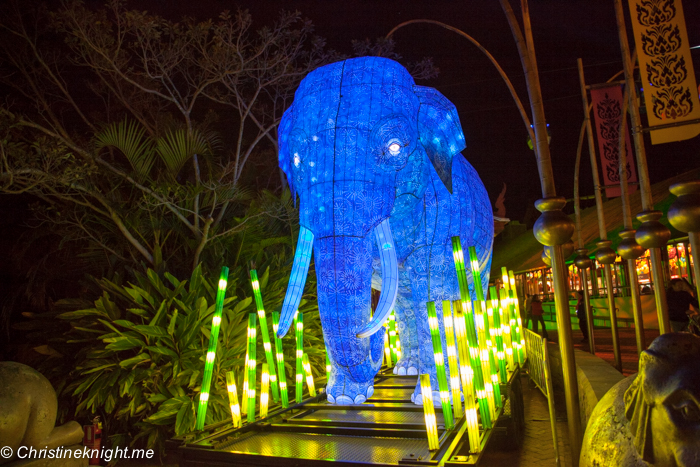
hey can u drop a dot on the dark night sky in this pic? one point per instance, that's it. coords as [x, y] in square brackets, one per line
[496, 137]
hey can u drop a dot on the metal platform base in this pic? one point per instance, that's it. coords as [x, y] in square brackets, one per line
[387, 430]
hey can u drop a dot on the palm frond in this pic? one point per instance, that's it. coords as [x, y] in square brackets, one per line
[176, 147]
[129, 138]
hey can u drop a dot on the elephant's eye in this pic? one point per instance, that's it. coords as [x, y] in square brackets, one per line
[689, 410]
[394, 148]
[297, 160]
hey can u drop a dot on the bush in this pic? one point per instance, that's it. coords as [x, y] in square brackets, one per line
[137, 356]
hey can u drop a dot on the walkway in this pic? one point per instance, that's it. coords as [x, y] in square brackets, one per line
[604, 348]
[537, 449]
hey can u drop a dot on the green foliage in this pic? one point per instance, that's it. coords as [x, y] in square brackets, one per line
[136, 355]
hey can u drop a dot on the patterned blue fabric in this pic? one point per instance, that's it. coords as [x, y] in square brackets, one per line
[362, 143]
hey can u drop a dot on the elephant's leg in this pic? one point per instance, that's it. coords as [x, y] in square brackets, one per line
[408, 364]
[433, 278]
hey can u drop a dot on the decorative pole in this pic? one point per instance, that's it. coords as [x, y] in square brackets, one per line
[604, 254]
[628, 248]
[211, 352]
[553, 228]
[684, 215]
[265, 334]
[652, 234]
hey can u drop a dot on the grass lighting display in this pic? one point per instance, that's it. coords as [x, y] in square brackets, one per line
[264, 390]
[233, 400]
[299, 332]
[429, 412]
[211, 352]
[487, 360]
[244, 395]
[251, 366]
[309, 376]
[515, 307]
[439, 366]
[466, 374]
[387, 350]
[265, 334]
[507, 322]
[465, 321]
[279, 358]
[497, 331]
[452, 359]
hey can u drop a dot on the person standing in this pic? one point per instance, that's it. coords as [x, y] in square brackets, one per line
[536, 312]
[581, 314]
[679, 299]
[528, 311]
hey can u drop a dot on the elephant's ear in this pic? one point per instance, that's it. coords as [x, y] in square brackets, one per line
[284, 156]
[439, 131]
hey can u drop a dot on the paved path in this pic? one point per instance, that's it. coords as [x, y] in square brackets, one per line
[538, 448]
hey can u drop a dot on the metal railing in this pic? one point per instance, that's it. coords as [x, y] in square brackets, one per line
[538, 367]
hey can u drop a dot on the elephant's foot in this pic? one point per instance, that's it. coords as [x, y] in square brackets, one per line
[417, 397]
[344, 391]
[406, 365]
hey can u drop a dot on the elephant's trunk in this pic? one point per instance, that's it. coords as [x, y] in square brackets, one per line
[390, 279]
[297, 280]
[344, 274]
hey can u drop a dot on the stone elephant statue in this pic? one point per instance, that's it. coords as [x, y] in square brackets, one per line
[376, 162]
[28, 408]
[651, 418]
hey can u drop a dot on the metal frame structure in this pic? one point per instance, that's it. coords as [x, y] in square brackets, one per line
[386, 430]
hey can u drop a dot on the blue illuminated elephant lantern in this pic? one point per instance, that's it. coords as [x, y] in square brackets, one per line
[372, 157]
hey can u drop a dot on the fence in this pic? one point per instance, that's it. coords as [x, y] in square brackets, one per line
[538, 367]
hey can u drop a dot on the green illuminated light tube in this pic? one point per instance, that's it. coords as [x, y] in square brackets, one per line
[506, 325]
[429, 412]
[440, 365]
[279, 354]
[233, 400]
[309, 376]
[482, 328]
[468, 381]
[519, 329]
[264, 391]
[265, 335]
[497, 329]
[251, 366]
[452, 359]
[299, 331]
[211, 352]
[328, 367]
[464, 314]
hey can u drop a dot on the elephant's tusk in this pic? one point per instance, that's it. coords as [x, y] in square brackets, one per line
[297, 280]
[390, 279]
